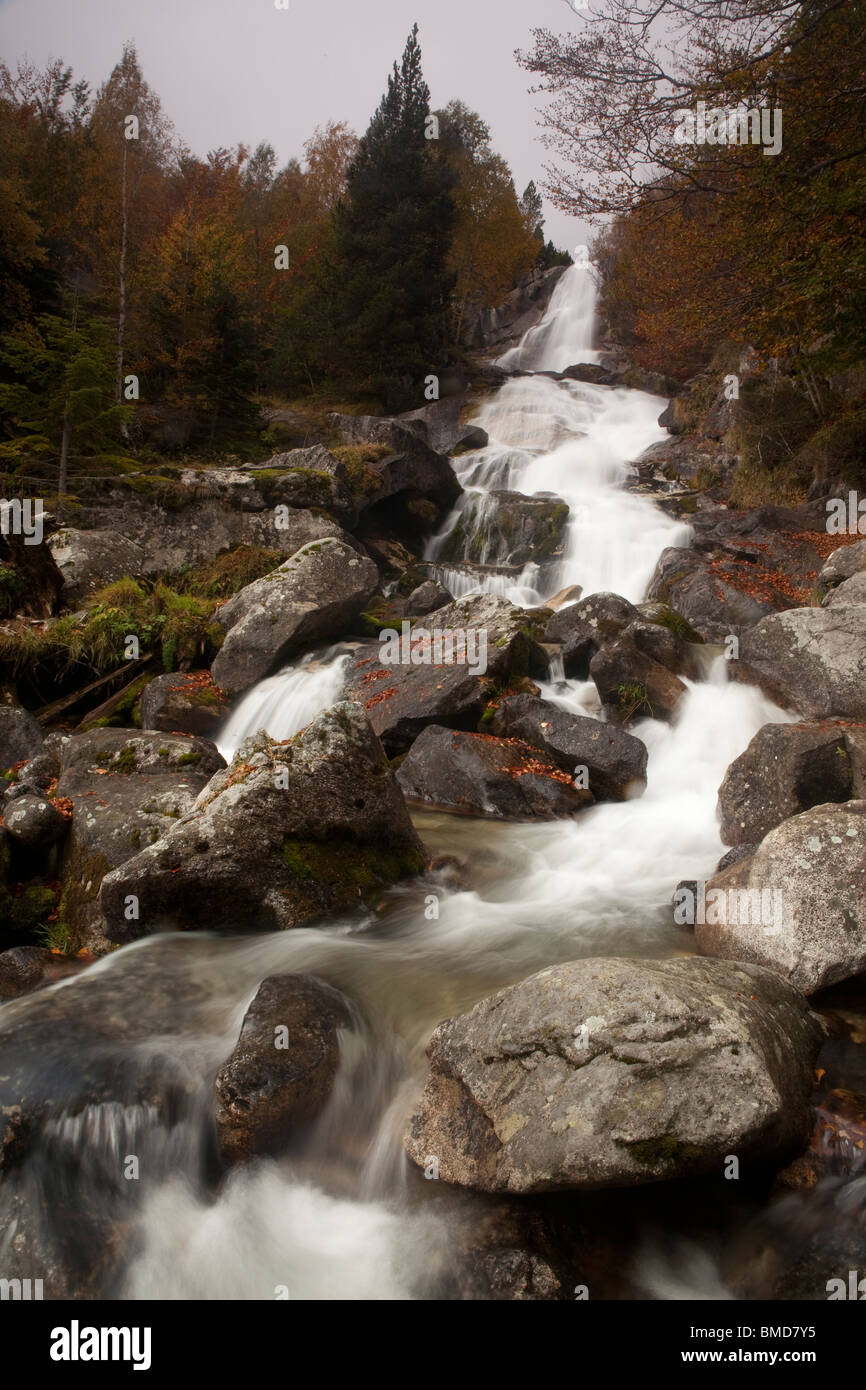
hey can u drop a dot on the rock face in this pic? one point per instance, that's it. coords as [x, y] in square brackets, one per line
[403, 697]
[20, 736]
[444, 430]
[308, 599]
[786, 769]
[843, 564]
[126, 789]
[503, 327]
[606, 1073]
[88, 560]
[615, 760]
[504, 779]
[851, 593]
[812, 660]
[281, 1071]
[512, 531]
[286, 833]
[798, 905]
[33, 582]
[183, 703]
[412, 468]
[427, 598]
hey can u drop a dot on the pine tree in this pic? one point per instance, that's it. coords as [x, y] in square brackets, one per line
[388, 280]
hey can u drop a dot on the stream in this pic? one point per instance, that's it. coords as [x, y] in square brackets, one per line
[344, 1216]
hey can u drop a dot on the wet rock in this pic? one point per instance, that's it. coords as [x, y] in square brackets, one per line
[21, 736]
[412, 468]
[183, 703]
[606, 1073]
[570, 594]
[633, 685]
[812, 660]
[89, 560]
[312, 597]
[510, 529]
[502, 327]
[285, 834]
[281, 1071]
[427, 598]
[501, 778]
[786, 769]
[23, 969]
[34, 821]
[444, 431]
[798, 904]
[585, 627]
[126, 787]
[403, 697]
[615, 760]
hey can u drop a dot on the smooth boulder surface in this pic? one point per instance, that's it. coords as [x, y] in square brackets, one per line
[34, 821]
[183, 703]
[402, 698]
[812, 660]
[615, 760]
[843, 564]
[311, 597]
[613, 1072]
[126, 787]
[786, 769]
[288, 832]
[798, 904]
[851, 593]
[501, 778]
[281, 1071]
[21, 737]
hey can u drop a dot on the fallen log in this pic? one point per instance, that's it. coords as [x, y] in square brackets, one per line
[49, 712]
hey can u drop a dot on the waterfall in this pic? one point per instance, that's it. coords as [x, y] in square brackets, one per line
[285, 703]
[569, 440]
[565, 335]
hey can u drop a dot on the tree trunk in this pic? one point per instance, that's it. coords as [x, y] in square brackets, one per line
[121, 308]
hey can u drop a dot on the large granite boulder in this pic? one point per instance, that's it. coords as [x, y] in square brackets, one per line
[183, 702]
[798, 904]
[287, 833]
[612, 1072]
[477, 774]
[615, 760]
[812, 660]
[786, 769]
[312, 597]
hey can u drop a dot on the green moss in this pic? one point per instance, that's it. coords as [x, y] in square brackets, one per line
[675, 622]
[188, 759]
[666, 1151]
[124, 762]
[349, 865]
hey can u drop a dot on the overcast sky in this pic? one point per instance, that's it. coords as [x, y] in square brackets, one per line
[230, 71]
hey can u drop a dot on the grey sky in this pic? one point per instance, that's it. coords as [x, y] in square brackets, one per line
[240, 70]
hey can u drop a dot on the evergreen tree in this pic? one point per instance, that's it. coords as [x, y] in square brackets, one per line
[388, 280]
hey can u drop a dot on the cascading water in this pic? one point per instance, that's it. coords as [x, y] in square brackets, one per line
[568, 440]
[123, 1057]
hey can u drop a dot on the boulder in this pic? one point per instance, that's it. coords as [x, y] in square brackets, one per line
[24, 968]
[126, 788]
[613, 1072]
[312, 597]
[444, 430]
[35, 821]
[506, 528]
[786, 769]
[281, 1071]
[633, 685]
[798, 905]
[427, 598]
[89, 560]
[615, 760]
[411, 467]
[502, 778]
[403, 697]
[183, 703]
[585, 627]
[851, 593]
[843, 564]
[290, 831]
[812, 660]
[21, 736]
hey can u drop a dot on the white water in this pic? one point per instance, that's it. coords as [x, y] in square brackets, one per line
[573, 441]
[343, 1219]
[565, 335]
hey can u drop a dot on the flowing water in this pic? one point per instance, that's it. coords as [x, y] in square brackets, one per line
[124, 1055]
